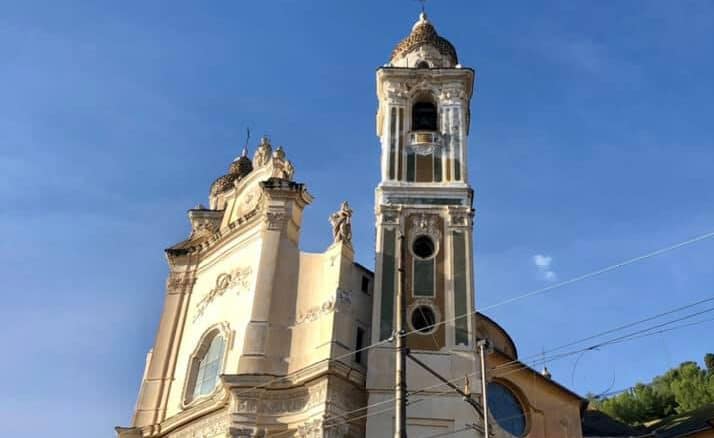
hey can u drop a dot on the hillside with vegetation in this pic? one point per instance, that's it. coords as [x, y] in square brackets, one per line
[681, 389]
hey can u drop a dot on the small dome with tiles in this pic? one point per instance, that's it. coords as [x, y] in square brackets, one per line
[436, 51]
[239, 169]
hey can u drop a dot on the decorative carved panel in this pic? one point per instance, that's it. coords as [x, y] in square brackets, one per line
[212, 427]
[341, 302]
[238, 280]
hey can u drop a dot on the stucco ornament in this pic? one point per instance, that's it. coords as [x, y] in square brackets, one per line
[341, 222]
[310, 429]
[452, 94]
[396, 90]
[177, 282]
[208, 428]
[340, 302]
[204, 221]
[426, 224]
[238, 279]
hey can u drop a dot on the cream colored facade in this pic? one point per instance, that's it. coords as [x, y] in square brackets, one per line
[288, 318]
[258, 338]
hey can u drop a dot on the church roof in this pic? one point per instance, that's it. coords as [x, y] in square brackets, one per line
[596, 423]
[423, 33]
[685, 424]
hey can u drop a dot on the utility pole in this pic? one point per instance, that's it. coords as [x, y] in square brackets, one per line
[400, 417]
[482, 345]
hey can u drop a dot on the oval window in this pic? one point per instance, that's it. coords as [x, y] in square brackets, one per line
[423, 319]
[423, 247]
[506, 409]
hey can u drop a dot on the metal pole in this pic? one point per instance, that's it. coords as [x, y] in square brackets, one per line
[400, 417]
[467, 397]
[481, 347]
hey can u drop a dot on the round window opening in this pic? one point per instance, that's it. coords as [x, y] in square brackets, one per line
[506, 409]
[423, 247]
[423, 319]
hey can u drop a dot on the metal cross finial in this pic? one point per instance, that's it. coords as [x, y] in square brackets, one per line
[245, 146]
[423, 5]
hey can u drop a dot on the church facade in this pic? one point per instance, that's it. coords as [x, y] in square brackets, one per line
[258, 338]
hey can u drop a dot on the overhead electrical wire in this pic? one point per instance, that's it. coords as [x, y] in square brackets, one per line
[624, 338]
[615, 329]
[507, 301]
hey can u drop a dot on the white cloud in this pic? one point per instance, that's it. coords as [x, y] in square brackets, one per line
[543, 263]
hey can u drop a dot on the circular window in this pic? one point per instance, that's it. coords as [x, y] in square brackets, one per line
[423, 247]
[506, 409]
[423, 319]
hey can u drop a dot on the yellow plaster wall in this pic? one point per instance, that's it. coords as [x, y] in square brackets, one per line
[551, 411]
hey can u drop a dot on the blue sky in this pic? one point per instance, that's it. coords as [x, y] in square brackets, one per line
[591, 142]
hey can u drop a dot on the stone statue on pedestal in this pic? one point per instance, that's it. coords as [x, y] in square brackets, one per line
[342, 224]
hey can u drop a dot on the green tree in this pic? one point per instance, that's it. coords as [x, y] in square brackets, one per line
[692, 389]
[709, 362]
[639, 404]
[681, 389]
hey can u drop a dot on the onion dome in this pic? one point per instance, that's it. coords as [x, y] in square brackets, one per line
[424, 34]
[239, 169]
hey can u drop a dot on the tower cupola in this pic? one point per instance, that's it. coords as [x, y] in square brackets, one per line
[424, 48]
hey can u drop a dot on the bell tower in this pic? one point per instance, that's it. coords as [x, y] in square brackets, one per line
[424, 220]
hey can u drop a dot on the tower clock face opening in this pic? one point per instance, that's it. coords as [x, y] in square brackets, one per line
[423, 247]
[423, 319]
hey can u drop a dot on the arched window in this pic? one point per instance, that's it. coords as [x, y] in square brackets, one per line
[206, 366]
[422, 64]
[506, 409]
[424, 116]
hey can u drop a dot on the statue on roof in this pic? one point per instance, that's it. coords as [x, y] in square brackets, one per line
[342, 224]
[263, 153]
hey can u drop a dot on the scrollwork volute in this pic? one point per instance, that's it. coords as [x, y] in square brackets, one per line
[275, 220]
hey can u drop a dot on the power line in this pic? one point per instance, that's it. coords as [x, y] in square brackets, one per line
[507, 301]
[613, 330]
[449, 433]
[624, 338]
[605, 269]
